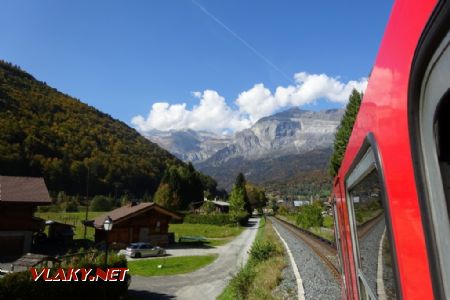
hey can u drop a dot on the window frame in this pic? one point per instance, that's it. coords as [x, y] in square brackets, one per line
[426, 56]
[367, 160]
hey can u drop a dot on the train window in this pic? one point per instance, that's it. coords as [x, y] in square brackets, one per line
[372, 246]
[337, 236]
[434, 123]
[442, 124]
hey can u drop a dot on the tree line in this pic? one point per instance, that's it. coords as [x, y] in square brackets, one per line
[77, 148]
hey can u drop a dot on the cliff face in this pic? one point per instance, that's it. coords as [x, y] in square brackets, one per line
[262, 151]
[290, 132]
[190, 145]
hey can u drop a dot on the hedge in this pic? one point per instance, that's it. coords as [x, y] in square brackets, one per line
[20, 285]
[213, 219]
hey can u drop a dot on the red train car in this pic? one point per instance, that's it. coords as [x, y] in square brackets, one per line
[392, 192]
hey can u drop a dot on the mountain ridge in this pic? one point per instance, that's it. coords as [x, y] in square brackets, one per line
[294, 133]
[44, 132]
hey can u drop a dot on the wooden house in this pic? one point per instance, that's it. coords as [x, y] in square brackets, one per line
[60, 232]
[136, 222]
[19, 197]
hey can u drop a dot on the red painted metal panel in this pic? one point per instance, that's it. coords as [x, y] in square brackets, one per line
[384, 113]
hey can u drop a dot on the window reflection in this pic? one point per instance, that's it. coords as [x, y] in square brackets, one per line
[375, 264]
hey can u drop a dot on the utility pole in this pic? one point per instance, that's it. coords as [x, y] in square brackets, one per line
[87, 203]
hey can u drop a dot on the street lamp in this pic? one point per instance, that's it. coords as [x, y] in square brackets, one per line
[107, 225]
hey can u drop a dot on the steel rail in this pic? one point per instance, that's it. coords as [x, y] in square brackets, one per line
[321, 247]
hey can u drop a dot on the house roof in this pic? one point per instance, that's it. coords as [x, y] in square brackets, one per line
[128, 211]
[23, 189]
[220, 203]
[51, 222]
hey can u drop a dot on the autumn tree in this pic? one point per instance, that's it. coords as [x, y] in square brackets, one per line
[167, 197]
[180, 186]
[256, 196]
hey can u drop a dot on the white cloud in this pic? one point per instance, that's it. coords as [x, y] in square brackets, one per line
[197, 94]
[214, 114]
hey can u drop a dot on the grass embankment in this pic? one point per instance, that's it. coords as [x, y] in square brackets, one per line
[262, 273]
[365, 215]
[216, 235]
[169, 266]
[72, 218]
[325, 231]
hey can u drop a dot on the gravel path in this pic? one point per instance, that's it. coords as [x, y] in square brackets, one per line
[318, 283]
[206, 283]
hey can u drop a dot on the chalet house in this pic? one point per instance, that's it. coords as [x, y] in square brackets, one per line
[221, 206]
[136, 222]
[60, 232]
[19, 197]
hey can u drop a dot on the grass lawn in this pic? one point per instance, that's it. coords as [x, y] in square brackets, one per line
[170, 265]
[72, 218]
[216, 235]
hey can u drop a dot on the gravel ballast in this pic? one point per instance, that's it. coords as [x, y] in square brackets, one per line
[287, 288]
[318, 282]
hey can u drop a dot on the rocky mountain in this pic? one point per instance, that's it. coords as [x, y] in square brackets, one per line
[190, 145]
[274, 148]
[290, 132]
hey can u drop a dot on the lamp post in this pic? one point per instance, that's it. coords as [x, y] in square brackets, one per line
[107, 225]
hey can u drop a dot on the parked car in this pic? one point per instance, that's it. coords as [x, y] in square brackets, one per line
[4, 272]
[137, 250]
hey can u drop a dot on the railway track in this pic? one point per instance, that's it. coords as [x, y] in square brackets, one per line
[324, 249]
[365, 228]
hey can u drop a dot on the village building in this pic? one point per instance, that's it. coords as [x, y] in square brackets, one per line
[136, 222]
[19, 197]
[60, 232]
[220, 206]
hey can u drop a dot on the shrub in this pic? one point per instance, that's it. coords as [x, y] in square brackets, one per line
[282, 210]
[328, 222]
[72, 206]
[262, 250]
[241, 283]
[102, 203]
[310, 216]
[207, 208]
[49, 208]
[21, 286]
[239, 217]
[212, 219]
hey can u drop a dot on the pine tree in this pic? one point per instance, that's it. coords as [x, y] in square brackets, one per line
[240, 184]
[344, 131]
[240, 208]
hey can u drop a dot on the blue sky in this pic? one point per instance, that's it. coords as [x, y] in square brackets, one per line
[124, 56]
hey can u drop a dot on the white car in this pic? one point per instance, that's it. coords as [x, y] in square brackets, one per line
[137, 250]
